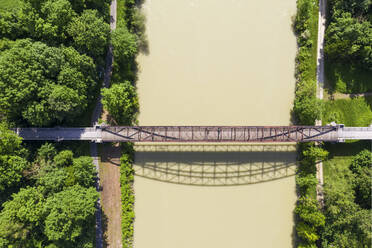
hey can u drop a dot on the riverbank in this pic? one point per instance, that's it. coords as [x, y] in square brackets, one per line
[307, 110]
[122, 105]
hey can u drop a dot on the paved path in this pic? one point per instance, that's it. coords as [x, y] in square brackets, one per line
[320, 86]
[320, 48]
[95, 116]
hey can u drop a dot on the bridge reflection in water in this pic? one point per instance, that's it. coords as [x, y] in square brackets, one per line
[215, 164]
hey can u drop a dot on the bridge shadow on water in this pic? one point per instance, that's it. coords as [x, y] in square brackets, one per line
[215, 164]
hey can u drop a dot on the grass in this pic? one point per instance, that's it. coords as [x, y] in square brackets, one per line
[340, 157]
[314, 39]
[346, 78]
[351, 112]
[8, 4]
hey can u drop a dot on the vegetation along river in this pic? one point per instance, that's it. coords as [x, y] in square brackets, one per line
[216, 62]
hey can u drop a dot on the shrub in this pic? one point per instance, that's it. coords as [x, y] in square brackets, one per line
[127, 194]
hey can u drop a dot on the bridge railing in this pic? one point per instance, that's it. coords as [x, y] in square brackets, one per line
[185, 133]
[219, 133]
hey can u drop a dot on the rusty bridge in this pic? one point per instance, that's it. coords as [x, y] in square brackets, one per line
[198, 133]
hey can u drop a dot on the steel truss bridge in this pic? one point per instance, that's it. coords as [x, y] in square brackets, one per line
[237, 134]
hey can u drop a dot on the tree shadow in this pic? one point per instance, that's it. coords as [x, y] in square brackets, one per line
[110, 153]
[104, 229]
[350, 148]
[346, 78]
[215, 165]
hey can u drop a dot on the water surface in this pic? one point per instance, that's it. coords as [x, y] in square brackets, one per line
[216, 62]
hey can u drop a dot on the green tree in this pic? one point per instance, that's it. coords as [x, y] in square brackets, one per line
[307, 210]
[21, 217]
[124, 44]
[51, 179]
[121, 102]
[356, 7]
[306, 183]
[307, 107]
[90, 33]
[11, 25]
[57, 15]
[63, 101]
[307, 233]
[100, 5]
[84, 171]
[68, 212]
[63, 159]
[362, 170]
[349, 40]
[44, 85]
[46, 153]
[362, 159]
[12, 161]
[315, 154]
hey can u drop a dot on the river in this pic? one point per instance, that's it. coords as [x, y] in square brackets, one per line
[216, 62]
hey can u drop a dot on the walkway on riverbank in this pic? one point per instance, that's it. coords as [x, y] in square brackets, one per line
[320, 89]
[102, 238]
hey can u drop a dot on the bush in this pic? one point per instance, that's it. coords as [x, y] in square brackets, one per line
[306, 108]
[127, 194]
[309, 218]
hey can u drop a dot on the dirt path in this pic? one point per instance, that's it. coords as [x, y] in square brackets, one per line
[320, 86]
[94, 148]
[110, 193]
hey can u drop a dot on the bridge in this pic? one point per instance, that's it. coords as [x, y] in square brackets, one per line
[99, 134]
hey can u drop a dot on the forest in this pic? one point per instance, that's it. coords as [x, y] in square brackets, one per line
[52, 62]
[48, 196]
[52, 55]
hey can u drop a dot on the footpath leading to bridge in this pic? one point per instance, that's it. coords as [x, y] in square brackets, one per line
[243, 134]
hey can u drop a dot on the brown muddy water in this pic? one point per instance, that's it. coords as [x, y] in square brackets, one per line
[216, 62]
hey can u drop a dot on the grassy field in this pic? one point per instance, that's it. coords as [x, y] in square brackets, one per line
[345, 78]
[351, 112]
[336, 168]
[8, 4]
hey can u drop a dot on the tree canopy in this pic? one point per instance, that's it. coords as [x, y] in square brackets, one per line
[57, 208]
[67, 211]
[121, 102]
[348, 36]
[90, 33]
[42, 85]
[12, 158]
[350, 40]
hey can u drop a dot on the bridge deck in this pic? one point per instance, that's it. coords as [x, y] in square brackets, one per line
[198, 133]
